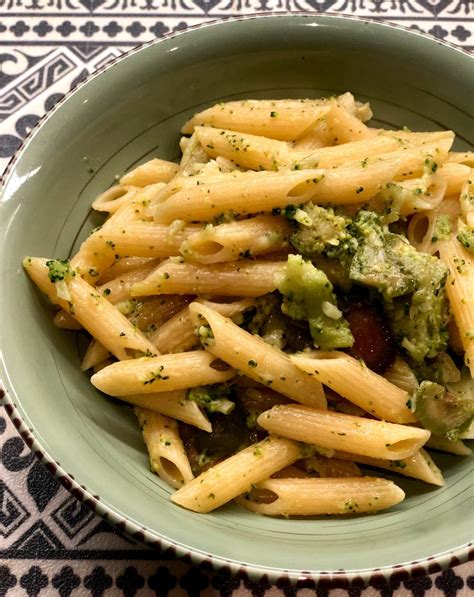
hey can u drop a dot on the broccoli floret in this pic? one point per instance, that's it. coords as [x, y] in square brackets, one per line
[442, 228]
[466, 236]
[308, 295]
[412, 284]
[383, 260]
[445, 413]
[213, 398]
[419, 320]
[60, 273]
[321, 230]
[59, 269]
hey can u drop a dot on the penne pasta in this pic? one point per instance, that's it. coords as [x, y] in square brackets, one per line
[331, 467]
[444, 444]
[344, 127]
[252, 192]
[112, 199]
[235, 475]
[253, 357]
[122, 266]
[278, 119]
[63, 320]
[460, 291]
[172, 404]
[118, 289]
[401, 375]
[151, 172]
[466, 200]
[95, 354]
[165, 448]
[236, 278]
[165, 373]
[353, 380]
[418, 466]
[356, 435]
[101, 319]
[138, 240]
[316, 497]
[455, 176]
[236, 240]
[177, 334]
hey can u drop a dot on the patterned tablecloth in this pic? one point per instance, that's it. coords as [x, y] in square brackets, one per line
[50, 544]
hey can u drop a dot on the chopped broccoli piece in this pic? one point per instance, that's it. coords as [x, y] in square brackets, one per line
[420, 319]
[213, 398]
[60, 273]
[320, 230]
[442, 228]
[383, 260]
[466, 236]
[308, 295]
[412, 284]
[444, 413]
[59, 269]
[441, 369]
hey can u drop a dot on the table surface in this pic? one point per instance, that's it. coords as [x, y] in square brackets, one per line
[51, 544]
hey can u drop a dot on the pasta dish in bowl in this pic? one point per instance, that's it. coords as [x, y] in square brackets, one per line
[288, 308]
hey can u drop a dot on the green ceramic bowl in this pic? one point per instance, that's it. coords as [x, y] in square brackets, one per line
[127, 113]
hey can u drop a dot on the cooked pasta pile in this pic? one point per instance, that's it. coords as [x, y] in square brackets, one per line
[292, 300]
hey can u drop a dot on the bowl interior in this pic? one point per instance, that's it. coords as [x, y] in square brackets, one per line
[131, 112]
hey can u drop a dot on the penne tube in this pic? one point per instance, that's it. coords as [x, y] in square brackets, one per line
[331, 467]
[165, 373]
[337, 431]
[251, 152]
[253, 192]
[260, 153]
[455, 176]
[291, 472]
[194, 157]
[101, 319]
[401, 375]
[172, 404]
[95, 354]
[418, 466]
[344, 127]
[253, 357]
[466, 200]
[235, 475]
[235, 278]
[177, 334]
[139, 240]
[118, 289]
[125, 233]
[63, 320]
[150, 313]
[233, 241]
[317, 497]
[112, 199]
[444, 444]
[317, 136]
[353, 380]
[465, 157]
[122, 266]
[460, 291]
[166, 451]
[285, 120]
[151, 172]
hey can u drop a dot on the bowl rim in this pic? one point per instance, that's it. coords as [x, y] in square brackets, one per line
[283, 577]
